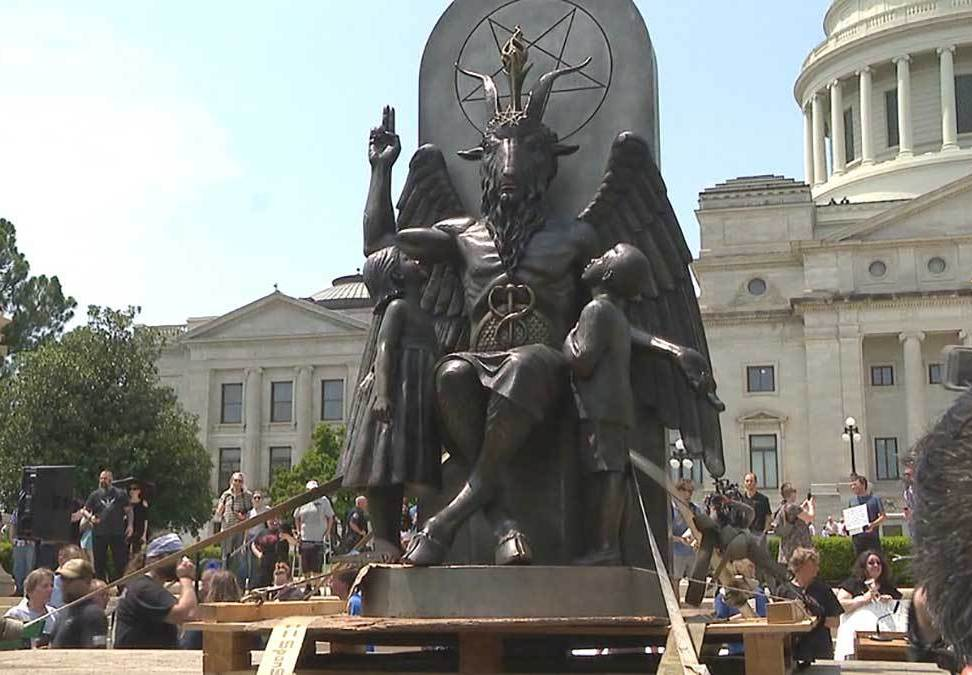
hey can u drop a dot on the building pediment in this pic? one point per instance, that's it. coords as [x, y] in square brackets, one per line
[937, 214]
[762, 417]
[275, 316]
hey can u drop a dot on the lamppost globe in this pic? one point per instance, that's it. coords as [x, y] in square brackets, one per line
[850, 421]
[673, 463]
[679, 445]
[845, 437]
[857, 437]
[687, 463]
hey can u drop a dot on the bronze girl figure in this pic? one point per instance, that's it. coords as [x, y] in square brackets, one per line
[392, 438]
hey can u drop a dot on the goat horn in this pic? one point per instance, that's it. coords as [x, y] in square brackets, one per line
[489, 89]
[541, 93]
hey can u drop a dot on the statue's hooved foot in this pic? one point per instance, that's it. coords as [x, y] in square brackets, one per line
[514, 549]
[425, 550]
[609, 557]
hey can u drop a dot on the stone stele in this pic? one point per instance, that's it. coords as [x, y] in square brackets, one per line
[616, 92]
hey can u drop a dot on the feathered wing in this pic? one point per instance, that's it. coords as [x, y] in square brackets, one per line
[428, 198]
[632, 206]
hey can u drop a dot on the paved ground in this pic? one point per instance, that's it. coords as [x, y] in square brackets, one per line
[101, 661]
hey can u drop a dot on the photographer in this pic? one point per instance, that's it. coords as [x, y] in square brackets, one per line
[791, 523]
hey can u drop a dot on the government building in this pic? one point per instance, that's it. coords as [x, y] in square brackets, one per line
[824, 299]
[262, 376]
[833, 297]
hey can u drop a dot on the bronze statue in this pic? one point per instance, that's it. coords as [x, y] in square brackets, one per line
[505, 289]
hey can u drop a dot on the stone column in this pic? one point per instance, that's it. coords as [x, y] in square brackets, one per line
[305, 410]
[914, 382]
[253, 422]
[904, 105]
[808, 145]
[946, 61]
[867, 130]
[837, 145]
[819, 144]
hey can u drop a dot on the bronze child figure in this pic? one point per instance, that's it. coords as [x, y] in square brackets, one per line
[392, 438]
[598, 350]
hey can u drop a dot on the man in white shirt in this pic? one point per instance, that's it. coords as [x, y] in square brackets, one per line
[313, 522]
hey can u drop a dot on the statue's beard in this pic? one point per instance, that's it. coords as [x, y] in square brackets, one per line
[512, 218]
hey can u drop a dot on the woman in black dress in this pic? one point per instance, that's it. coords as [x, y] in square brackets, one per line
[139, 506]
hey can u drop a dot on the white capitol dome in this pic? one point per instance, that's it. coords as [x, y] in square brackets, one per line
[887, 99]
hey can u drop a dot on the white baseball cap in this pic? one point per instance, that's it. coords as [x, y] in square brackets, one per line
[312, 484]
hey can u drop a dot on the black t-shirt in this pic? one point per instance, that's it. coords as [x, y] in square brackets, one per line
[82, 626]
[761, 506]
[856, 587]
[821, 603]
[274, 548]
[109, 505]
[140, 617]
[360, 520]
[139, 516]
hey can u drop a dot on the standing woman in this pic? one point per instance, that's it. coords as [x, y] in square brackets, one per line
[138, 532]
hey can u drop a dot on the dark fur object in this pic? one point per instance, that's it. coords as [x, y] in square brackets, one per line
[942, 524]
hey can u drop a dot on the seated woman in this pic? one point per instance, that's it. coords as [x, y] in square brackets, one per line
[38, 587]
[282, 577]
[870, 581]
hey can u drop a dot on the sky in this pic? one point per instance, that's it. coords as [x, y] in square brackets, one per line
[186, 156]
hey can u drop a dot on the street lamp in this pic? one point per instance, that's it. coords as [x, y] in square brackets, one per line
[851, 435]
[680, 459]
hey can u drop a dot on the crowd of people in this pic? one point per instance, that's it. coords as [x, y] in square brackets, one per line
[869, 582]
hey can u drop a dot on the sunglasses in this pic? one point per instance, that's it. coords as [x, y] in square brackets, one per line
[257, 498]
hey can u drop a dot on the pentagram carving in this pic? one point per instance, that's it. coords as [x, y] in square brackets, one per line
[558, 33]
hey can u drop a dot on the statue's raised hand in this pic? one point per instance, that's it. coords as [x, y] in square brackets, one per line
[384, 145]
[696, 370]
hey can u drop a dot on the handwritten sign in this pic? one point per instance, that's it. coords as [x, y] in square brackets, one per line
[283, 648]
[856, 519]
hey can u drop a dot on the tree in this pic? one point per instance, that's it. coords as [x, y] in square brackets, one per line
[37, 306]
[318, 463]
[94, 400]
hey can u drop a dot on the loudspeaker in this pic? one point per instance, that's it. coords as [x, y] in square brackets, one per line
[44, 504]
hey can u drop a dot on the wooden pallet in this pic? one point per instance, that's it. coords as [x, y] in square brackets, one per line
[471, 645]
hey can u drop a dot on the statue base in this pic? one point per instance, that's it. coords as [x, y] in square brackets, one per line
[529, 592]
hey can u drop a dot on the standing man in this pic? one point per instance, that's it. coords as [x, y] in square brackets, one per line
[909, 491]
[357, 524]
[233, 506]
[110, 514]
[760, 505]
[870, 538]
[84, 625]
[313, 522]
[683, 553]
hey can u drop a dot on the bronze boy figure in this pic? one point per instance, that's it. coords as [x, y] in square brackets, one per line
[598, 350]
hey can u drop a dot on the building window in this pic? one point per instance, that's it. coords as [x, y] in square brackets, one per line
[937, 265]
[332, 400]
[756, 286]
[760, 379]
[762, 459]
[229, 463]
[934, 373]
[231, 406]
[882, 376]
[281, 401]
[279, 461]
[877, 269]
[849, 135]
[886, 458]
[963, 103]
[891, 115]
